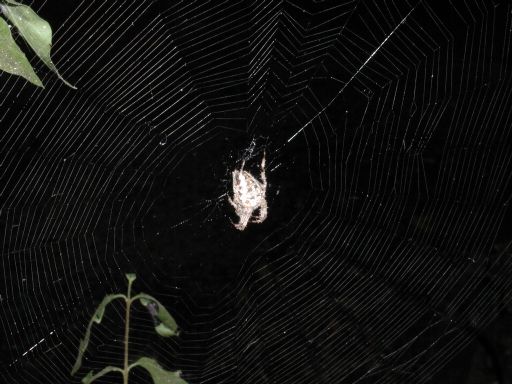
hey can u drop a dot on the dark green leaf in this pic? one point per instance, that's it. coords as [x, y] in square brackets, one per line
[158, 374]
[90, 377]
[96, 318]
[35, 30]
[167, 326]
[12, 59]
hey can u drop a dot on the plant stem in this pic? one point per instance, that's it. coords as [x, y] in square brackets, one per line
[126, 368]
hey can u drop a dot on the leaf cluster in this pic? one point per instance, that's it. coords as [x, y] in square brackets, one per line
[165, 326]
[36, 32]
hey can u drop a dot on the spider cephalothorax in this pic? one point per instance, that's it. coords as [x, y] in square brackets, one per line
[249, 196]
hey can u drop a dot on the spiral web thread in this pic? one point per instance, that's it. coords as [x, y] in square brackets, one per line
[396, 254]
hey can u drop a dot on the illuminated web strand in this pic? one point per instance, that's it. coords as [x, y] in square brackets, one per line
[353, 76]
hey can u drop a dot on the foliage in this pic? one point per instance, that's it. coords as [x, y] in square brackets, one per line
[165, 326]
[36, 32]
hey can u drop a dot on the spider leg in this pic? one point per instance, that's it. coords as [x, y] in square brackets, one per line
[241, 224]
[231, 202]
[237, 225]
[263, 213]
[262, 174]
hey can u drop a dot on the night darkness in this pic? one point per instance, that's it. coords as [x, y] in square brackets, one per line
[385, 256]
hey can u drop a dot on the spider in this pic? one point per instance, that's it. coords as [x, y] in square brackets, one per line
[249, 196]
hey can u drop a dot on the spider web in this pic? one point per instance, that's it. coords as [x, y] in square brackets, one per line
[386, 127]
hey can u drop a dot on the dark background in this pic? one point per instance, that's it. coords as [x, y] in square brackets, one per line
[198, 261]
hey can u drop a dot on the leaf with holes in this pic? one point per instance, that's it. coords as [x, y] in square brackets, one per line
[167, 326]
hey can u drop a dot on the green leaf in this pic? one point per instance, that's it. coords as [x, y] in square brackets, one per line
[12, 58]
[167, 326]
[91, 376]
[158, 374]
[96, 318]
[35, 30]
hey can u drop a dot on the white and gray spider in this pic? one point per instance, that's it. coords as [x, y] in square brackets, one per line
[249, 196]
